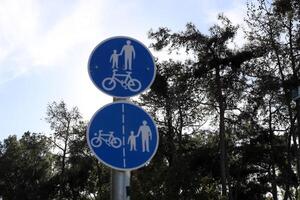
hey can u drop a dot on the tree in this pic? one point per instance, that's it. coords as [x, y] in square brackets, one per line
[63, 122]
[173, 103]
[25, 167]
[86, 178]
[275, 26]
[218, 69]
[77, 173]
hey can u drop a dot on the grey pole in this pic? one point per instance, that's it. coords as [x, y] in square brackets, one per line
[120, 185]
[120, 180]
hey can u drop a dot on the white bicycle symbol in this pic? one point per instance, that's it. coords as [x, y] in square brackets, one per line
[130, 83]
[111, 141]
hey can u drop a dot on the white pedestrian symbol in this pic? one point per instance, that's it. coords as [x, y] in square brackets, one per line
[132, 141]
[109, 139]
[114, 59]
[125, 79]
[146, 136]
[129, 51]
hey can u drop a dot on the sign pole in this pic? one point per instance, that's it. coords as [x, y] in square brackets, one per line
[122, 135]
[120, 185]
[120, 180]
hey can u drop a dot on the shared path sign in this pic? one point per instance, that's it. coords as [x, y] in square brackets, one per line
[123, 136]
[121, 67]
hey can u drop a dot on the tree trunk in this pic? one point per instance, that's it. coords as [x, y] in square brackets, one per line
[172, 186]
[291, 133]
[272, 163]
[223, 154]
[298, 133]
[63, 165]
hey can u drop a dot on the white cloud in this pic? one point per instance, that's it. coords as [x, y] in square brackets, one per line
[74, 31]
[28, 46]
[18, 20]
[25, 46]
[18, 24]
[30, 43]
[237, 15]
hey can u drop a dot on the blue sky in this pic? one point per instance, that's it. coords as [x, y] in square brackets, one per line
[45, 46]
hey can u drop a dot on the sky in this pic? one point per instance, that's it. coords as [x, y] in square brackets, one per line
[45, 46]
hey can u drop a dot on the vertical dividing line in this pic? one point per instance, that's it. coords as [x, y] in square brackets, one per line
[123, 114]
[123, 133]
[120, 180]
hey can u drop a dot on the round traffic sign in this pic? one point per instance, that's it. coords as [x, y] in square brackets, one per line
[122, 136]
[121, 67]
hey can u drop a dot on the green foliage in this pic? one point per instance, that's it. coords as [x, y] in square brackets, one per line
[31, 167]
[25, 167]
[228, 126]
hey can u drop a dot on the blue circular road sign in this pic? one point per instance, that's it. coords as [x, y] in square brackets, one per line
[123, 136]
[121, 67]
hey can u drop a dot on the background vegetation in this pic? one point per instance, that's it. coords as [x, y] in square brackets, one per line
[228, 126]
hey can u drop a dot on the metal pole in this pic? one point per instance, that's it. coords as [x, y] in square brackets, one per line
[120, 185]
[120, 180]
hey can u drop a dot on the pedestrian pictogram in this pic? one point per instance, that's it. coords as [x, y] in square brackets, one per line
[123, 136]
[121, 67]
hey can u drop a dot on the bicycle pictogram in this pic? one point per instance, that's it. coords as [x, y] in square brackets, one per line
[126, 81]
[109, 139]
